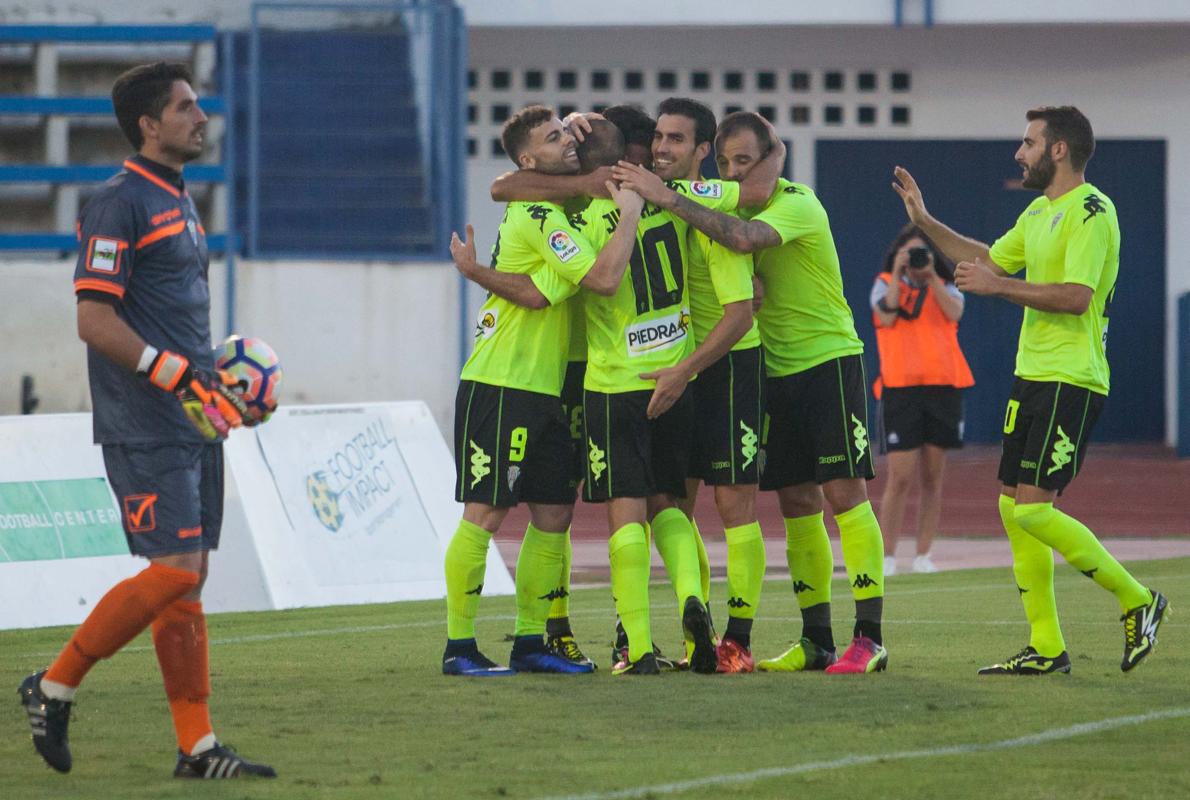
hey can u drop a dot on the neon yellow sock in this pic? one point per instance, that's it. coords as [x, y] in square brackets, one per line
[674, 538]
[811, 562]
[628, 552]
[537, 569]
[745, 569]
[704, 564]
[863, 551]
[465, 564]
[1033, 567]
[560, 608]
[1082, 551]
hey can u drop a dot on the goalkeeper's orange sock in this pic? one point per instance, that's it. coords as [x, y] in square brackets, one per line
[180, 639]
[122, 613]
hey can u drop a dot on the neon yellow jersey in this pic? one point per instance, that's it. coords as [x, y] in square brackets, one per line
[1072, 239]
[645, 325]
[717, 276]
[804, 319]
[522, 348]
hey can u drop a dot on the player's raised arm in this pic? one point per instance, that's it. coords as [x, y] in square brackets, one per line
[956, 246]
[528, 184]
[759, 183]
[608, 271]
[514, 287]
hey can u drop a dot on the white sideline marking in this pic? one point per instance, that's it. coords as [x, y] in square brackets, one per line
[1051, 735]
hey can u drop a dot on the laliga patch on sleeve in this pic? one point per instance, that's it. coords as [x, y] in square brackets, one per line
[104, 255]
[704, 189]
[563, 246]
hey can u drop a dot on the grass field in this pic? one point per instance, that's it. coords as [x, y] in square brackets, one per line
[348, 702]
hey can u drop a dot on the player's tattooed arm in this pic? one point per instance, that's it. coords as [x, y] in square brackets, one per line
[528, 185]
[742, 236]
[513, 287]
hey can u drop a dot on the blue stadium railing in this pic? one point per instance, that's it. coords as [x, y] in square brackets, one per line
[27, 105]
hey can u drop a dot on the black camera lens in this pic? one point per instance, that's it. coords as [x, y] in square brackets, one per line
[919, 257]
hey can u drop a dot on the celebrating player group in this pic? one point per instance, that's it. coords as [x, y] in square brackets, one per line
[648, 331]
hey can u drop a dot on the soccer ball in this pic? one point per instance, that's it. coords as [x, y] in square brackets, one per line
[258, 370]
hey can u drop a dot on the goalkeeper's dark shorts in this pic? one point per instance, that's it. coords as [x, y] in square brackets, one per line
[170, 496]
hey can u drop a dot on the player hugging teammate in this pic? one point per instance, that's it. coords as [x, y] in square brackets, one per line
[682, 385]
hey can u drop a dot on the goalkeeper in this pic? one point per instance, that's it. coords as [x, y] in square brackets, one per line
[161, 412]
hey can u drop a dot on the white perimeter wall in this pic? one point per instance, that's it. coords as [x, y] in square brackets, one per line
[346, 332]
[968, 81]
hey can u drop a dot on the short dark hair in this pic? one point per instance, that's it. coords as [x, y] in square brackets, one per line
[144, 91]
[515, 134]
[942, 265]
[738, 121]
[704, 118]
[602, 147]
[1067, 124]
[633, 121]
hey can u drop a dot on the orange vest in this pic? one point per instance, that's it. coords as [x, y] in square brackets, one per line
[922, 347]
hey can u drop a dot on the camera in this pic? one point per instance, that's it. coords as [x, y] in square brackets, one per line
[919, 257]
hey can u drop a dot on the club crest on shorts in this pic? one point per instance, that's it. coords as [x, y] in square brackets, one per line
[192, 229]
[514, 473]
[563, 246]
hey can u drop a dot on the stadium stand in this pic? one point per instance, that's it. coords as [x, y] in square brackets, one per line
[56, 79]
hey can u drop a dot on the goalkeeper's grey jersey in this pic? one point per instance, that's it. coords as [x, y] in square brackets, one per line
[143, 249]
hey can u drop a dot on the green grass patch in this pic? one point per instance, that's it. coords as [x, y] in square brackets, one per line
[349, 702]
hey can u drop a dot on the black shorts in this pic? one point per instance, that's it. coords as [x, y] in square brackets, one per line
[572, 407]
[170, 495]
[916, 415]
[728, 411]
[511, 446]
[630, 455]
[1046, 428]
[816, 426]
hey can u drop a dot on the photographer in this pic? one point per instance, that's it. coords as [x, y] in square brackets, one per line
[916, 309]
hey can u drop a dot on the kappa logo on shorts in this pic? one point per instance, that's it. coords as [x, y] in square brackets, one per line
[1061, 453]
[861, 438]
[563, 246]
[595, 458]
[705, 189]
[140, 513]
[748, 442]
[479, 464]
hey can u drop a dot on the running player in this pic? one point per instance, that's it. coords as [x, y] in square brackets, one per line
[814, 442]
[512, 442]
[728, 395]
[161, 412]
[1068, 243]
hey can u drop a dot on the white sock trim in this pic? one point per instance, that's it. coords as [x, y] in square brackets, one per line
[204, 744]
[58, 691]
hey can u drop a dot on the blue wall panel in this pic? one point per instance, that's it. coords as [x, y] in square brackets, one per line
[969, 185]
